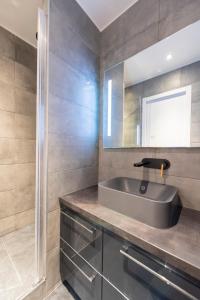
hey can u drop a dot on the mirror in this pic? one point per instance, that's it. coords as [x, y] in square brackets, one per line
[153, 98]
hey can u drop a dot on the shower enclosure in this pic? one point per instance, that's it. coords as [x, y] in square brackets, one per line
[23, 77]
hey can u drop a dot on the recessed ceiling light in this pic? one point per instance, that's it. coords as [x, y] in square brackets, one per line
[169, 57]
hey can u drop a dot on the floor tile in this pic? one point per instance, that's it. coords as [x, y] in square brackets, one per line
[61, 293]
[17, 263]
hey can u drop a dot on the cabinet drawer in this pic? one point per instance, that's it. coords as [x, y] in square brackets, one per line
[83, 279]
[110, 293]
[83, 236]
[140, 275]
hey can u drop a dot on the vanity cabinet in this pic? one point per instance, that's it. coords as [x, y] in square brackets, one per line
[98, 265]
[81, 255]
[140, 275]
[82, 236]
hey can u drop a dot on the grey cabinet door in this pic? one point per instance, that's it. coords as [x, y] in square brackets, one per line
[139, 275]
[83, 236]
[110, 293]
[83, 279]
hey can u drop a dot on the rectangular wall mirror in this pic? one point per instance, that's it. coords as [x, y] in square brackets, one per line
[153, 98]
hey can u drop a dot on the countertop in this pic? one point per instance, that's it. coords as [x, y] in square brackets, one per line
[178, 245]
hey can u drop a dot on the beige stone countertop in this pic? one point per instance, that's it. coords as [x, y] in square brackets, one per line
[178, 245]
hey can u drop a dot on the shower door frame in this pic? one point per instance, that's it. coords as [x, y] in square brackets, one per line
[41, 151]
[41, 147]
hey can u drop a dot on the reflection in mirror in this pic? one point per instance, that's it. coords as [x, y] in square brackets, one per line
[153, 98]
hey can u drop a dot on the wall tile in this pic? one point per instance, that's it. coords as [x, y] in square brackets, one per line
[141, 41]
[24, 218]
[6, 124]
[25, 102]
[71, 15]
[68, 83]
[24, 77]
[130, 24]
[7, 151]
[64, 182]
[7, 100]
[53, 269]
[25, 126]
[25, 151]
[7, 200]
[176, 14]
[25, 54]
[53, 229]
[6, 70]
[7, 177]
[7, 45]
[75, 52]
[24, 199]
[25, 175]
[7, 225]
[67, 152]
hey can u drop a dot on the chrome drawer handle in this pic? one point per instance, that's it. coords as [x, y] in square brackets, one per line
[91, 231]
[162, 278]
[89, 278]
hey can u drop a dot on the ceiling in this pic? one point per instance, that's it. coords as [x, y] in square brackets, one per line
[20, 18]
[104, 12]
[181, 49]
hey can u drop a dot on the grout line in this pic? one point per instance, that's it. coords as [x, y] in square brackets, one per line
[54, 289]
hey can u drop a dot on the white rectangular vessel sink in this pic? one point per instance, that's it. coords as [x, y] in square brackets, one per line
[155, 204]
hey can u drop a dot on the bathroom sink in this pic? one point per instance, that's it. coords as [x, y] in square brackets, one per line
[155, 204]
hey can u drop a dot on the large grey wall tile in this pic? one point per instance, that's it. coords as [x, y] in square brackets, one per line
[25, 77]
[6, 70]
[25, 126]
[142, 40]
[7, 198]
[7, 175]
[70, 84]
[7, 100]
[130, 24]
[71, 14]
[7, 151]
[25, 54]
[25, 151]
[25, 102]
[7, 127]
[53, 231]
[53, 269]
[7, 44]
[176, 14]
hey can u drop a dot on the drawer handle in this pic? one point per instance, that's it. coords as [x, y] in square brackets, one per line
[91, 231]
[162, 278]
[89, 278]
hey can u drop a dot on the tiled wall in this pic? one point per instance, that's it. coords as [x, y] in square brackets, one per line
[73, 114]
[17, 132]
[142, 25]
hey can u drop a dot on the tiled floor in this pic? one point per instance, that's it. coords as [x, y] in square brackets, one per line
[17, 257]
[60, 293]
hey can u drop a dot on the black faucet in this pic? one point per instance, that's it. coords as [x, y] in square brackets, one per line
[141, 164]
[153, 163]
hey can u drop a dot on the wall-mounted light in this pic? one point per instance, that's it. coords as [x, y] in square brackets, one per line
[109, 107]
